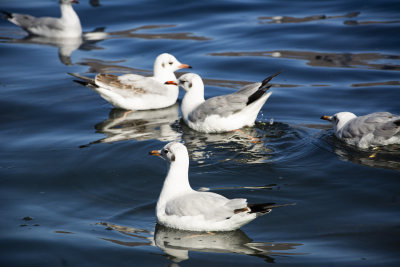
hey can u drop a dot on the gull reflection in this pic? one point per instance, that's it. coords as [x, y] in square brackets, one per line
[177, 244]
[258, 144]
[123, 125]
[65, 45]
[387, 157]
[88, 40]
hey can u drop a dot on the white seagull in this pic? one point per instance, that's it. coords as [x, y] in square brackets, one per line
[375, 129]
[221, 113]
[181, 207]
[68, 25]
[136, 92]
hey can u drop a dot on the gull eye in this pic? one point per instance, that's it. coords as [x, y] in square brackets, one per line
[165, 151]
[170, 63]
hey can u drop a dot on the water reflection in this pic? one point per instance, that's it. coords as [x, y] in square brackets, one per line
[89, 39]
[65, 45]
[387, 157]
[333, 60]
[123, 125]
[287, 19]
[264, 142]
[177, 244]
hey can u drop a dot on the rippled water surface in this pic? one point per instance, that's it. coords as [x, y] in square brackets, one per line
[78, 188]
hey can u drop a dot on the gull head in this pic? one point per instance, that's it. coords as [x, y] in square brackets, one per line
[191, 82]
[339, 119]
[171, 152]
[168, 63]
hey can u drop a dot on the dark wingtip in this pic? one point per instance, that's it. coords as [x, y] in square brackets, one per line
[8, 14]
[269, 78]
[397, 122]
[81, 82]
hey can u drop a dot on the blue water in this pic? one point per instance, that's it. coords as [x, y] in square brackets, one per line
[77, 187]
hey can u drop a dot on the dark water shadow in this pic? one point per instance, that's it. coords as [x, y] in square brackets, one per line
[329, 60]
[122, 125]
[387, 157]
[177, 244]
[288, 19]
[265, 142]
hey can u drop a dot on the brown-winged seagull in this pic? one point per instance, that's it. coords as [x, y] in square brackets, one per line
[136, 92]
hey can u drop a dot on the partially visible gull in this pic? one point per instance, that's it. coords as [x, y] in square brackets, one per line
[181, 207]
[375, 129]
[68, 25]
[136, 92]
[221, 113]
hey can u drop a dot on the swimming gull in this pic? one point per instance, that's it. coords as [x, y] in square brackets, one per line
[375, 129]
[221, 113]
[181, 207]
[68, 25]
[136, 92]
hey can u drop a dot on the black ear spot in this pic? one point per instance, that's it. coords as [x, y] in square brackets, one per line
[163, 65]
[173, 158]
[190, 85]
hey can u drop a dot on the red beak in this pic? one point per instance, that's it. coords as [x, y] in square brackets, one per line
[155, 153]
[185, 66]
[171, 82]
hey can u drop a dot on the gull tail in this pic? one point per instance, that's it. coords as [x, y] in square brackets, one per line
[262, 208]
[262, 89]
[266, 207]
[83, 80]
[6, 15]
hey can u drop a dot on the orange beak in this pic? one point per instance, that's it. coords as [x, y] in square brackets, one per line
[171, 82]
[155, 153]
[185, 66]
[327, 118]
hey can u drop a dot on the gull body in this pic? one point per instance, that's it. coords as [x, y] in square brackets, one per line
[136, 92]
[68, 25]
[221, 113]
[375, 129]
[181, 207]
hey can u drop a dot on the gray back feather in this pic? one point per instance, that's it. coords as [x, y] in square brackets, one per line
[223, 106]
[381, 124]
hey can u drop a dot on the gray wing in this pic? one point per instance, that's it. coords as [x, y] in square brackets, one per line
[223, 106]
[381, 124]
[211, 205]
[248, 90]
[28, 22]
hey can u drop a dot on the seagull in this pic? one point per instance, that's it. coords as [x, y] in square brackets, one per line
[181, 207]
[68, 25]
[221, 113]
[375, 129]
[136, 92]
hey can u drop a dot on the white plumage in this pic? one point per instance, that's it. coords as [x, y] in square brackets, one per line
[221, 113]
[68, 25]
[136, 92]
[181, 207]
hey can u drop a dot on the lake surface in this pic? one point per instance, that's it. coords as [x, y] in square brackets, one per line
[77, 187]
